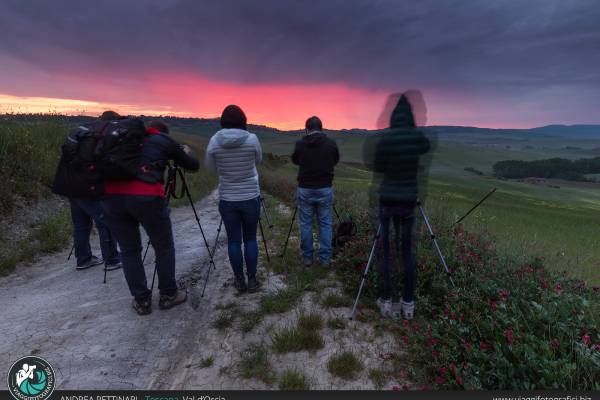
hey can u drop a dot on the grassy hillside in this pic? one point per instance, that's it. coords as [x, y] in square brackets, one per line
[35, 221]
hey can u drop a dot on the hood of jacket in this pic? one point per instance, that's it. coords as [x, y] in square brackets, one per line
[402, 115]
[314, 139]
[231, 137]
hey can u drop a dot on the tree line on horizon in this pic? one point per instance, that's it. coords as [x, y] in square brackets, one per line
[559, 168]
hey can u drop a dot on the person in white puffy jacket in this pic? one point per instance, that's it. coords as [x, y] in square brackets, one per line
[234, 153]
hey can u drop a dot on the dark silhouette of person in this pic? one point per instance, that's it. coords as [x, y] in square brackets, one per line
[396, 157]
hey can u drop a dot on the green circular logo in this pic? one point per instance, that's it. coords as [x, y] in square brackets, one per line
[31, 378]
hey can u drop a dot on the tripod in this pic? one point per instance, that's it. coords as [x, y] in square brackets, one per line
[170, 192]
[264, 210]
[372, 253]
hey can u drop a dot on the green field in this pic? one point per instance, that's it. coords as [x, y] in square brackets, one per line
[558, 224]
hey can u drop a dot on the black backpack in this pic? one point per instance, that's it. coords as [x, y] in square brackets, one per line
[78, 174]
[119, 151]
[345, 231]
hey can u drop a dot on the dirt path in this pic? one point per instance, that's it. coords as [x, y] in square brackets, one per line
[94, 340]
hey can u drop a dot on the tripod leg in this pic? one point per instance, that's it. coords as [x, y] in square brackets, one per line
[214, 249]
[289, 232]
[366, 271]
[269, 224]
[146, 252]
[153, 278]
[262, 233]
[105, 271]
[435, 243]
[71, 252]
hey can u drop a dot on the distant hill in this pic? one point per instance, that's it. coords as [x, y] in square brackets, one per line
[208, 126]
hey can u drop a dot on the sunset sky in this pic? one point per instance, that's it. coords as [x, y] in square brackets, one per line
[481, 63]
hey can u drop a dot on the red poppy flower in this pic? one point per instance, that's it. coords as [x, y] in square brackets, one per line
[443, 370]
[440, 380]
[453, 367]
[494, 305]
[555, 344]
[596, 289]
[468, 345]
[503, 294]
[434, 354]
[544, 284]
[586, 339]
[510, 338]
[405, 339]
[485, 346]
[559, 289]
[432, 342]
[405, 388]
[395, 388]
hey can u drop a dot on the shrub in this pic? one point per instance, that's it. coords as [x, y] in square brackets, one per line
[344, 365]
[291, 379]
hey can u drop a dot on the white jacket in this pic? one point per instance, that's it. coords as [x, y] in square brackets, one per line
[234, 155]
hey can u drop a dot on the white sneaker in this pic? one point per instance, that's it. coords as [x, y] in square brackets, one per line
[385, 307]
[408, 309]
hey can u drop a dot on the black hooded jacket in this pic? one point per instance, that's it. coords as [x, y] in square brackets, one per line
[316, 154]
[397, 157]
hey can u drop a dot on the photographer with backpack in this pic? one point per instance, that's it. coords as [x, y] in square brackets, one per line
[130, 203]
[79, 179]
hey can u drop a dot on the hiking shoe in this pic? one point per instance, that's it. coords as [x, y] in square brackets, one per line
[112, 267]
[142, 307]
[253, 284]
[91, 262]
[307, 262]
[385, 307]
[165, 302]
[396, 311]
[408, 309]
[325, 264]
[240, 284]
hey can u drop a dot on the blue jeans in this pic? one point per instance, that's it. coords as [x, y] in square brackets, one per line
[317, 202]
[124, 214]
[83, 212]
[241, 220]
[403, 219]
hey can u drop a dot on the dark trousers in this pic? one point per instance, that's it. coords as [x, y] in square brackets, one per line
[241, 220]
[83, 212]
[403, 220]
[124, 215]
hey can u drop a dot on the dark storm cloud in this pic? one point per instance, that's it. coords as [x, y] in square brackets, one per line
[484, 47]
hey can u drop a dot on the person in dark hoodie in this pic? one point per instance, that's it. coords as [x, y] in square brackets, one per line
[234, 153]
[396, 158]
[141, 201]
[316, 155]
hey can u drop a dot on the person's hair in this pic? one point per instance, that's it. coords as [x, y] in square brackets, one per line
[233, 117]
[314, 124]
[109, 116]
[159, 126]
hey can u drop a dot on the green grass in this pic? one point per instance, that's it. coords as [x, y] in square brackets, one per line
[344, 365]
[379, 377]
[289, 340]
[224, 319]
[291, 379]
[310, 322]
[250, 320]
[334, 300]
[254, 363]
[280, 302]
[337, 323]
[207, 362]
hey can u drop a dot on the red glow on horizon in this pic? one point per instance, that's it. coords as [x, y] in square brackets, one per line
[282, 106]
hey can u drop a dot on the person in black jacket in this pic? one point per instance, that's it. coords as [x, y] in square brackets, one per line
[398, 167]
[78, 179]
[316, 155]
[141, 201]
